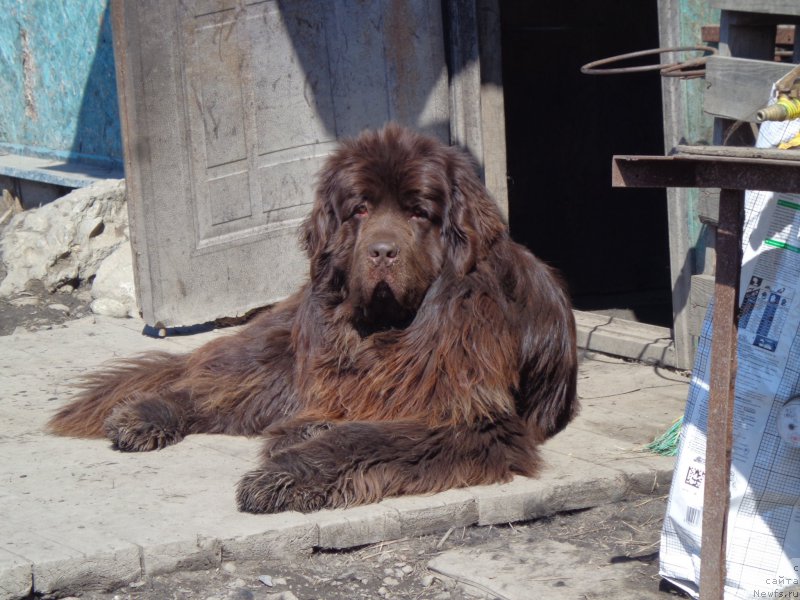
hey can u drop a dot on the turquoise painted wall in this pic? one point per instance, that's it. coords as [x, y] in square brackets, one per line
[699, 127]
[58, 92]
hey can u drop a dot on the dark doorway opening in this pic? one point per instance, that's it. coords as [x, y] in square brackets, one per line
[563, 127]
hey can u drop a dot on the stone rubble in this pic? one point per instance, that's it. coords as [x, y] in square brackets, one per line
[113, 289]
[77, 240]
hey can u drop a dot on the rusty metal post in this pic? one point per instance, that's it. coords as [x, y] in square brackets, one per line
[716, 495]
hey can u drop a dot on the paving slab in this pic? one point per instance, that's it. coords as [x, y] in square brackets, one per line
[15, 575]
[76, 515]
[487, 572]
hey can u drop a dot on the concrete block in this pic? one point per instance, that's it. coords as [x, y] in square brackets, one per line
[575, 495]
[356, 526]
[540, 569]
[16, 576]
[272, 537]
[644, 471]
[168, 541]
[565, 484]
[175, 509]
[620, 337]
[202, 553]
[85, 561]
[105, 572]
[420, 515]
[652, 482]
[505, 503]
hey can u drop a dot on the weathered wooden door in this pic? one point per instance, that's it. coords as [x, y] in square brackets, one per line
[229, 108]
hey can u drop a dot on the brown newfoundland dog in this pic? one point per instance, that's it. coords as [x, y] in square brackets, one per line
[428, 351]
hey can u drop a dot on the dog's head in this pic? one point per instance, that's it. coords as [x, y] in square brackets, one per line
[394, 211]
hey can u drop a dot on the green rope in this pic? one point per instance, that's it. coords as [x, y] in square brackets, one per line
[667, 443]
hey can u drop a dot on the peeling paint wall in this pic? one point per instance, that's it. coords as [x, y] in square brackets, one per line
[699, 126]
[680, 22]
[58, 92]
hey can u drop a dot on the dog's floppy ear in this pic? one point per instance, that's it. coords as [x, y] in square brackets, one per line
[321, 224]
[472, 222]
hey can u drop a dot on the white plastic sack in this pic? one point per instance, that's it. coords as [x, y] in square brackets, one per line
[763, 551]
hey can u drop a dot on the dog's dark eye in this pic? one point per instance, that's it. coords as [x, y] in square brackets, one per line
[360, 210]
[419, 213]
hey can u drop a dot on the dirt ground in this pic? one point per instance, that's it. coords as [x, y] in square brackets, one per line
[36, 308]
[623, 532]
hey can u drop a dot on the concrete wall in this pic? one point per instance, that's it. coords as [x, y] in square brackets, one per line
[58, 93]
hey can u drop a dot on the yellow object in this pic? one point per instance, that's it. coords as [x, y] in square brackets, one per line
[792, 143]
[784, 109]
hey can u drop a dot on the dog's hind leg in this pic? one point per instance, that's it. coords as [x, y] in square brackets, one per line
[108, 401]
[150, 422]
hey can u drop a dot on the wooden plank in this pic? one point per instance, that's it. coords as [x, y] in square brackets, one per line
[681, 120]
[493, 120]
[719, 430]
[705, 257]
[699, 298]
[708, 207]
[773, 7]
[461, 22]
[709, 34]
[738, 87]
[785, 35]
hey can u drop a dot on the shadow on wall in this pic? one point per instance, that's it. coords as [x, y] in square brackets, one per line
[411, 100]
[368, 63]
[97, 138]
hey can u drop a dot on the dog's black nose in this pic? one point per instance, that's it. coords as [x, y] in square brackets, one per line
[383, 252]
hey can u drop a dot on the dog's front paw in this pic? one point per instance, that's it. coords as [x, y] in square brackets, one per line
[140, 427]
[268, 490]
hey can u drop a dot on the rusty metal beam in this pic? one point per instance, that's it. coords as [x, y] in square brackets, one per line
[719, 430]
[706, 171]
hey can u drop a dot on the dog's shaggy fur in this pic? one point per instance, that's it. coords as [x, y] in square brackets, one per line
[428, 351]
